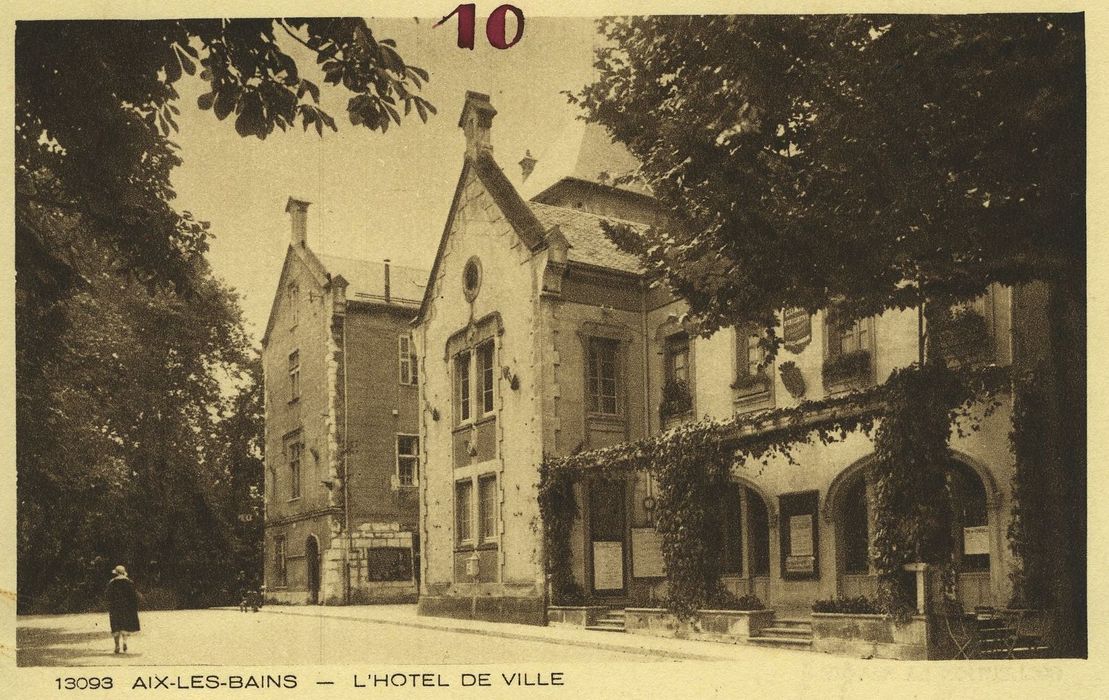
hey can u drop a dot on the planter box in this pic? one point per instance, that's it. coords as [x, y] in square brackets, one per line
[575, 615]
[876, 636]
[728, 626]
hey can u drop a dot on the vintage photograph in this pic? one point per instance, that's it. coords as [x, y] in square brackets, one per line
[489, 336]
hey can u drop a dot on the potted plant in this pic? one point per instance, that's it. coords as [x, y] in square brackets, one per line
[676, 399]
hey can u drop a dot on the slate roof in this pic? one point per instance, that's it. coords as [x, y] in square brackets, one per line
[366, 279]
[587, 239]
[580, 150]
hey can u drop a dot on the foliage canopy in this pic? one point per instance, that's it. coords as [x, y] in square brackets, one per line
[874, 161]
[95, 108]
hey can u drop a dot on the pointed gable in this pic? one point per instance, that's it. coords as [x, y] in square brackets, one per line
[318, 273]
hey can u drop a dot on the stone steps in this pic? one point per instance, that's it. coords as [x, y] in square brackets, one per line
[613, 621]
[792, 642]
[790, 633]
[797, 632]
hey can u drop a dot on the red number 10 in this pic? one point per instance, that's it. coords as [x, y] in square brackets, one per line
[494, 26]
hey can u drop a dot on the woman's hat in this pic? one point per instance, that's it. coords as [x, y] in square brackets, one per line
[120, 570]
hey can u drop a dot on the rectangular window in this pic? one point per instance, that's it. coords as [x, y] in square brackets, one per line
[280, 568]
[485, 376]
[294, 375]
[295, 449]
[294, 304]
[487, 494]
[463, 504]
[750, 354]
[677, 397]
[408, 459]
[603, 358]
[462, 387]
[389, 564]
[677, 359]
[845, 338]
[406, 360]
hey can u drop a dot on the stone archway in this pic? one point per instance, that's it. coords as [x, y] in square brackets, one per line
[312, 563]
[748, 518]
[976, 529]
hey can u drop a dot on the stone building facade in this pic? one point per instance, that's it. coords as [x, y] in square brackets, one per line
[342, 438]
[539, 337]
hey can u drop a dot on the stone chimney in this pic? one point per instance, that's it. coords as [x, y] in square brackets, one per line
[297, 209]
[476, 120]
[388, 295]
[527, 165]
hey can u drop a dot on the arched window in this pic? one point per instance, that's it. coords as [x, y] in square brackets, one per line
[970, 518]
[758, 520]
[743, 509]
[855, 528]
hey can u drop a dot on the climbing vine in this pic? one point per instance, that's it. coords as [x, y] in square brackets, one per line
[911, 501]
[1031, 513]
[690, 464]
[558, 509]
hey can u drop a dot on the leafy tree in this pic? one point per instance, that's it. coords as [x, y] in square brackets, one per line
[123, 430]
[95, 107]
[127, 448]
[868, 163]
[241, 478]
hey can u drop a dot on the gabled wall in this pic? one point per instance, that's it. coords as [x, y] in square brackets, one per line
[348, 363]
[509, 581]
[310, 515]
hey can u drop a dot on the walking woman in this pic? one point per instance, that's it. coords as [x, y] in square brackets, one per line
[123, 607]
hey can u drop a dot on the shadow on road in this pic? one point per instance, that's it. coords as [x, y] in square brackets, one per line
[53, 646]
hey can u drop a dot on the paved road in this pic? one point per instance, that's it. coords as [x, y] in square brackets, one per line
[228, 637]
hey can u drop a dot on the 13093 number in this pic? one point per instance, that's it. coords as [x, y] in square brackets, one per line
[84, 682]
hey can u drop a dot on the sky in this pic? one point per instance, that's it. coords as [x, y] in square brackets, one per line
[374, 195]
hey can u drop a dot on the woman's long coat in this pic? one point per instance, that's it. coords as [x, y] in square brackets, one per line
[123, 605]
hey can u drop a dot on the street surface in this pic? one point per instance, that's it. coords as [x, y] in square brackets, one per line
[379, 639]
[307, 635]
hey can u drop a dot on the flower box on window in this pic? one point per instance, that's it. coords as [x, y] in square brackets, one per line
[964, 335]
[752, 383]
[847, 366]
[676, 399]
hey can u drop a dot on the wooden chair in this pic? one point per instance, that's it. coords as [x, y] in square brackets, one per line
[963, 632]
[1031, 634]
[995, 632]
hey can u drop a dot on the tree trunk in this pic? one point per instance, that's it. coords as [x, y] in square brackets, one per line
[1067, 487]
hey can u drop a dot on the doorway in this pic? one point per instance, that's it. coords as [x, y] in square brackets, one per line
[312, 559]
[607, 528]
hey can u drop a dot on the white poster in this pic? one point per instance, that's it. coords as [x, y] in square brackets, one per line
[608, 566]
[800, 535]
[976, 540]
[647, 553]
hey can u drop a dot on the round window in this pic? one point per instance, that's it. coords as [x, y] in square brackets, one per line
[471, 278]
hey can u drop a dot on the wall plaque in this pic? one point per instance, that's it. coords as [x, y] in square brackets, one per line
[976, 540]
[608, 566]
[800, 536]
[647, 553]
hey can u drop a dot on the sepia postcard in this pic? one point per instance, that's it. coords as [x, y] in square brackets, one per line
[695, 349]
